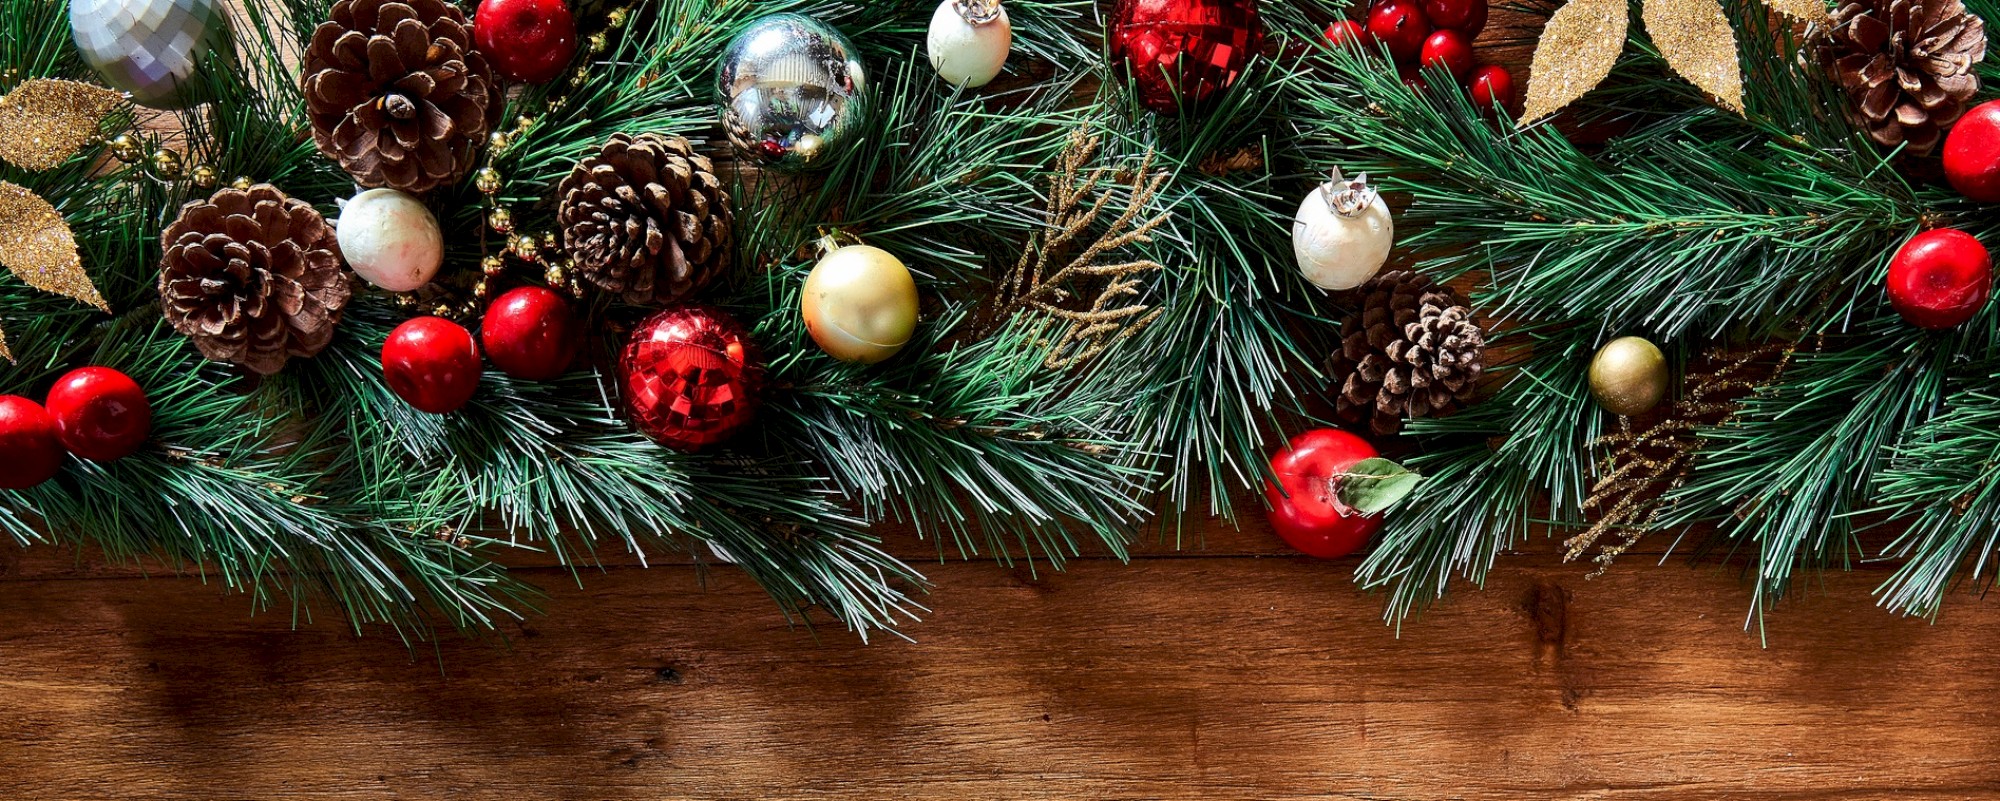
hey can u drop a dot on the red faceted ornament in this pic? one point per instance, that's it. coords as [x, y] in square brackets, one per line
[530, 334]
[100, 414]
[691, 377]
[432, 363]
[1447, 50]
[1972, 153]
[1940, 278]
[1468, 17]
[527, 40]
[29, 451]
[1492, 85]
[1400, 26]
[1183, 53]
[1308, 513]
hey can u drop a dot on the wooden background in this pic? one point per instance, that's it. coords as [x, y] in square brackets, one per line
[1232, 670]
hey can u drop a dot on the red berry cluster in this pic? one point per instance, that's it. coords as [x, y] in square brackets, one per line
[97, 413]
[1434, 34]
[433, 363]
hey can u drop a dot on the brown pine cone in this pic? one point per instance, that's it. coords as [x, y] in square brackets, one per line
[1906, 66]
[253, 277]
[646, 217]
[1412, 350]
[397, 94]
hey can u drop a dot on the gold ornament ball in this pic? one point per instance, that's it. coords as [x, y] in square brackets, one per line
[860, 304]
[166, 163]
[487, 180]
[528, 248]
[204, 176]
[492, 265]
[499, 141]
[500, 220]
[1628, 376]
[241, 182]
[125, 148]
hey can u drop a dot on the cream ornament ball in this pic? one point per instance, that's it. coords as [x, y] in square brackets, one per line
[1342, 234]
[390, 239]
[860, 304]
[969, 40]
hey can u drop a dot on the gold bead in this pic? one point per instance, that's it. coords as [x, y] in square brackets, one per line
[204, 176]
[1628, 376]
[166, 163]
[860, 304]
[442, 310]
[482, 288]
[523, 123]
[499, 141]
[580, 76]
[406, 300]
[241, 182]
[550, 242]
[617, 18]
[599, 43]
[556, 104]
[527, 248]
[556, 275]
[124, 148]
[493, 265]
[487, 180]
[500, 220]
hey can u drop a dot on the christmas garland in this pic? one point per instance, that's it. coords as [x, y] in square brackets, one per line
[352, 298]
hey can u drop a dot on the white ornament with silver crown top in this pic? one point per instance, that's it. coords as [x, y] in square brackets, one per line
[969, 40]
[1342, 233]
[149, 48]
[390, 239]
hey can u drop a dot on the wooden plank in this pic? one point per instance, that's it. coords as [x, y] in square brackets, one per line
[1211, 678]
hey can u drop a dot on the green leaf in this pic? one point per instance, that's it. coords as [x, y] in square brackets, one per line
[1371, 486]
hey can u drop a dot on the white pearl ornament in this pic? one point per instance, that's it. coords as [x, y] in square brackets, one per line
[969, 40]
[1342, 233]
[390, 239]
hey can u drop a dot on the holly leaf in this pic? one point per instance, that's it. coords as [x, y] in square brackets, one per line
[1371, 486]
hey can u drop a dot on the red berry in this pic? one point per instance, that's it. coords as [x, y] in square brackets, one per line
[1345, 33]
[1972, 153]
[1400, 25]
[1308, 513]
[1468, 17]
[1492, 85]
[1940, 278]
[530, 334]
[432, 363]
[1447, 50]
[29, 451]
[100, 414]
[527, 40]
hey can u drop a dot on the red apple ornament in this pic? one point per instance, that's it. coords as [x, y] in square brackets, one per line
[1940, 278]
[100, 414]
[1447, 50]
[1492, 85]
[527, 40]
[432, 363]
[29, 451]
[530, 334]
[1468, 17]
[1972, 153]
[1334, 488]
[1400, 25]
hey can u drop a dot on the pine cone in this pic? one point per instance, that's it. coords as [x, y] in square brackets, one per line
[1413, 350]
[397, 94]
[1906, 65]
[253, 277]
[646, 217]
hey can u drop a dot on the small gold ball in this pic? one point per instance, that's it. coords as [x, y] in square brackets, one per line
[124, 148]
[527, 248]
[499, 141]
[599, 43]
[551, 242]
[406, 300]
[241, 182]
[556, 275]
[617, 18]
[442, 310]
[482, 288]
[500, 220]
[523, 123]
[556, 104]
[166, 163]
[1628, 376]
[860, 304]
[487, 180]
[204, 176]
[493, 265]
[580, 76]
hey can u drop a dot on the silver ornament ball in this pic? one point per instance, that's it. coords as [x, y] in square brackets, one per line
[149, 48]
[795, 95]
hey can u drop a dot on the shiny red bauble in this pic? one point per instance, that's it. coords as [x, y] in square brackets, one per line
[1308, 513]
[527, 40]
[1182, 54]
[1940, 278]
[1492, 85]
[432, 364]
[30, 453]
[1399, 25]
[1972, 153]
[530, 333]
[691, 377]
[1468, 17]
[1447, 50]
[1345, 33]
[100, 414]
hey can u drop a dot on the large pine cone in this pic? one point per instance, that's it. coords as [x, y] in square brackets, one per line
[397, 94]
[253, 277]
[1413, 350]
[1906, 65]
[646, 217]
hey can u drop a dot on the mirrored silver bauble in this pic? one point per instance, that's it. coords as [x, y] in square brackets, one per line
[148, 47]
[794, 93]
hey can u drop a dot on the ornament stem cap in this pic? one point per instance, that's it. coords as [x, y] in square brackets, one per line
[1348, 198]
[977, 12]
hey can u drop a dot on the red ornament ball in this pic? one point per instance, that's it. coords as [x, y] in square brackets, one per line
[1345, 33]
[1447, 50]
[30, 453]
[1940, 278]
[691, 377]
[530, 333]
[1972, 153]
[527, 40]
[432, 364]
[1308, 513]
[100, 414]
[1183, 53]
[1400, 25]
[1468, 17]
[1492, 85]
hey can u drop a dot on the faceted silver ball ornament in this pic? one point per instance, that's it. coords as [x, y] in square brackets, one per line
[148, 47]
[794, 93]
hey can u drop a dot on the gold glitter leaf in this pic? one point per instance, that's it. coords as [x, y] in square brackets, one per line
[1577, 50]
[4, 352]
[1807, 11]
[1695, 38]
[36, 244]
[44, 121]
